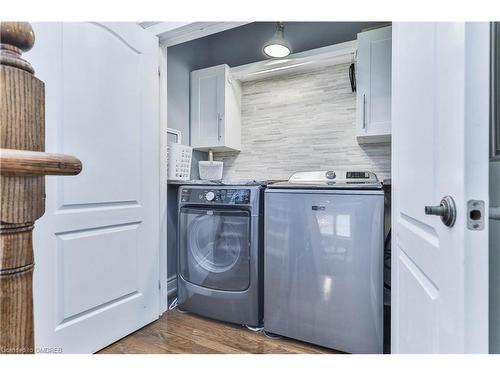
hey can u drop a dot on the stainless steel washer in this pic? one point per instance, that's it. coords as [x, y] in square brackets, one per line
[220, 252]
[323, 266]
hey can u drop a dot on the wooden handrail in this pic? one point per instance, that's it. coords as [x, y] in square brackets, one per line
[35, 163]
[23, 166]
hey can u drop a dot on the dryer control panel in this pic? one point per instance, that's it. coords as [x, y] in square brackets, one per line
[217, 196]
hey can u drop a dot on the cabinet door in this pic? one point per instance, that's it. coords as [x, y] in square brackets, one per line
[374, 84]
[207, 106]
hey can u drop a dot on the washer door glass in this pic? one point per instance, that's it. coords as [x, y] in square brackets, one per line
[214, 249]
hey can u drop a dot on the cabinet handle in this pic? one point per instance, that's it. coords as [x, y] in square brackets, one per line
[219, 136]
[364, 111]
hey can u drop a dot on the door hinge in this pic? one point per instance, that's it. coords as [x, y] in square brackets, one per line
[159, 284]
[159, 72]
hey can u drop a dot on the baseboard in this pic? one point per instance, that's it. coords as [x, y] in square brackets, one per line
[172, 285]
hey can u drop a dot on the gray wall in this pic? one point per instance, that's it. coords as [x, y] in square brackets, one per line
[494, 230]
[494, 260]
[243, 45]
[234, 47]
[181, 60]
[301, 122]
[238, 46]
[172, 193]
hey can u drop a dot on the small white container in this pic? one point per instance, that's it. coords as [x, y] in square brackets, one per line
[210, 170]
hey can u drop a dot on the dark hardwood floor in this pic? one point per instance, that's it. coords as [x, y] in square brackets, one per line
[180, 332]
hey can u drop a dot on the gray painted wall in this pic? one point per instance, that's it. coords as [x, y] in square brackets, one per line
[243, 45]
[181, 60]
[494, 260]
[239, 46]
[234, 47]
[300, 122]
[494, 230]
[172, 193]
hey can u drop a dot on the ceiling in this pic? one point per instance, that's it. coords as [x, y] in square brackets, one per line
[243, 44]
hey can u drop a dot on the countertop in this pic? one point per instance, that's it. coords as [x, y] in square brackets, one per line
[189, 182]
[217, 183]
[385, 181]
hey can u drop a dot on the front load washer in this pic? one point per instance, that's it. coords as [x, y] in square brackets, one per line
[220, 252]
[323, 266]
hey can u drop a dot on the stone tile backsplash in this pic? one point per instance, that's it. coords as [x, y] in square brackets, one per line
[299, 122]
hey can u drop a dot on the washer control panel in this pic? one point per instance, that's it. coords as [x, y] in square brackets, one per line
[219, 196]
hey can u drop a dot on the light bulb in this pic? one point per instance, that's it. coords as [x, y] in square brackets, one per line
[277, 46]
[276, 50]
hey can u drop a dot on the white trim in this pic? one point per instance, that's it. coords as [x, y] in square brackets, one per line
[158, 28]
[477, 120]
[162, 81]
[189, 31]
[302, 61]
[394, 323]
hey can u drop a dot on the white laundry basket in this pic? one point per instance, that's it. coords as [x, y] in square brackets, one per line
[178, 159]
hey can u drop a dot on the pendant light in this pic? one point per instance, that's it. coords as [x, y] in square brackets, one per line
[277, 46]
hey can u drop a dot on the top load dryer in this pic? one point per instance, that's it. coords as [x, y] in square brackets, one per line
[323, 259]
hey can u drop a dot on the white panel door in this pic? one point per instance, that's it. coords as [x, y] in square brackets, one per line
[97, 246]
[440, 147]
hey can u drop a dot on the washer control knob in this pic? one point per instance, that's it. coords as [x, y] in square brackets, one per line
[210, 196]
[330, 175]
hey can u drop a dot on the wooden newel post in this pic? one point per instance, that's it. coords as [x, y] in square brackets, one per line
[23, 166]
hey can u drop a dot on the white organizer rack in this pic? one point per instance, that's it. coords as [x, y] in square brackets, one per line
[178, 158]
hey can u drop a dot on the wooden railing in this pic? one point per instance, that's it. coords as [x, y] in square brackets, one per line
[23, 166]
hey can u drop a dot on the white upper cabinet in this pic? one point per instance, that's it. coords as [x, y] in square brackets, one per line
[215, 109]
[373, 109]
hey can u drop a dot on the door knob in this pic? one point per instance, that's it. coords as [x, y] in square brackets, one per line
[446, 209]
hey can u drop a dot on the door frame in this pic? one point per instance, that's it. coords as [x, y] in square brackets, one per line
[163, 211]
[172, 33]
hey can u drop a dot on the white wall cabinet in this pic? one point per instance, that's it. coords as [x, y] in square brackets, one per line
[373, 108]
[215, 107]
